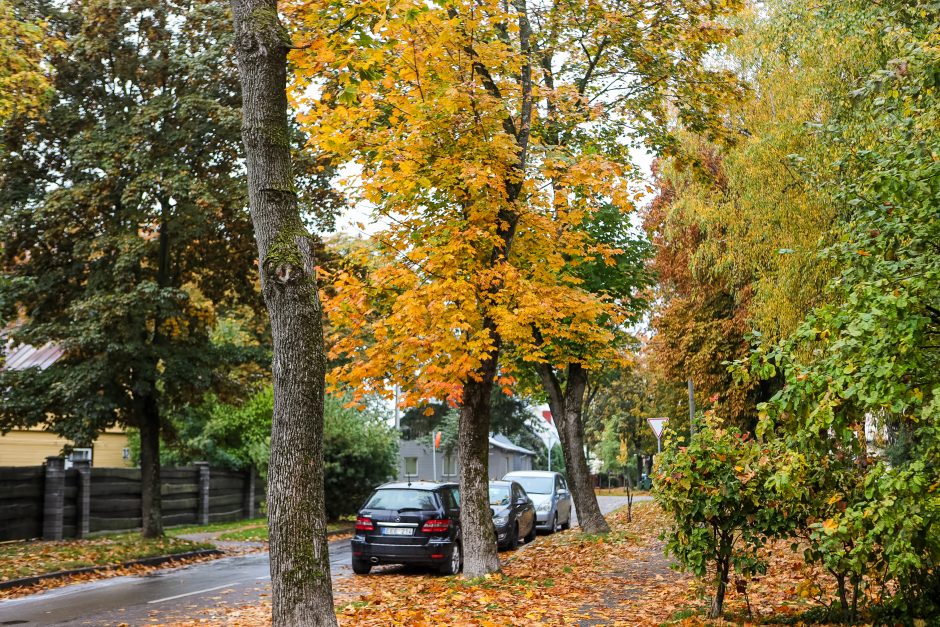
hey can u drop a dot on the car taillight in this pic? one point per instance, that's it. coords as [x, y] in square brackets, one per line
[364, 524]
[436, 526]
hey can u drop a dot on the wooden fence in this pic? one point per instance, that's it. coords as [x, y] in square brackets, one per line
[51, 502]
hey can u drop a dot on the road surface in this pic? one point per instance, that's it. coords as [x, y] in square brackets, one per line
[172, 594]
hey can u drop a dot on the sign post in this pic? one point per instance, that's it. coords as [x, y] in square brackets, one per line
[548, 418]
[657, 424]
[437, 445]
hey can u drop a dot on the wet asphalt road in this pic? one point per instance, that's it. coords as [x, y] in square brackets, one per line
[170, 595]
[162, 596]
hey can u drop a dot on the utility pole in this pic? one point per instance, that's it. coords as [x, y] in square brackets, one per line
[691, 407]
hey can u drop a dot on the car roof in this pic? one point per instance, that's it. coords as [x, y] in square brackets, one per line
[531, 473]
[501, 482]
[415, 485]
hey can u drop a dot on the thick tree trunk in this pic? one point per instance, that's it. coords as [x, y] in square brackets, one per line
[566, 407]
[300, 569]
[476, 518]
[151, 504]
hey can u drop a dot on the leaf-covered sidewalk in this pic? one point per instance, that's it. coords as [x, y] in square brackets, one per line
[564, 579]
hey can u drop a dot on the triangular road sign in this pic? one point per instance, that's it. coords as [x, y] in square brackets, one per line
[657, 424]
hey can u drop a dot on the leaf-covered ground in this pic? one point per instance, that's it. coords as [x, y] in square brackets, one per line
[565, 579]
[25, 559]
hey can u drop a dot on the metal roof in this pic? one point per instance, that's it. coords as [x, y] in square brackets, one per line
[25, 356]
[501, 441]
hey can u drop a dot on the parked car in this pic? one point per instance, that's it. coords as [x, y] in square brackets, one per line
[549, 492]
[513, 514]
[409, 523]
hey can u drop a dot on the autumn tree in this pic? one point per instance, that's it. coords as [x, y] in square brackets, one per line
[300, 565]
[24, 42]
[123, 223]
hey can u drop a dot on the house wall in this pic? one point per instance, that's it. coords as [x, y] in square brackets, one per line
[500, 462]
[31, 447]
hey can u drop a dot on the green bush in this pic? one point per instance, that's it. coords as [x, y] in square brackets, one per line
[360, 450]
[716, 491]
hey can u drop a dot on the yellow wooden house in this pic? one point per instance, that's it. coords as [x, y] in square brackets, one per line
[31, 447]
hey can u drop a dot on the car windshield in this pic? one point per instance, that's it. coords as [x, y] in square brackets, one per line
[499, 495]
[402, 499]
[536, 485]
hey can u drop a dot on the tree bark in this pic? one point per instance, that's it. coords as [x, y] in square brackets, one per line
[300, 569]
[718, 601]
[566, 406]
[150, 497]
[476, 519]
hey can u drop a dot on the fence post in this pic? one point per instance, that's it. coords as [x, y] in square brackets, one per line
[83, 499]
[202, 511]
[54, 500]
[248, 497]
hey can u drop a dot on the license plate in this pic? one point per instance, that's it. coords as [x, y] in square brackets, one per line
[397, 531]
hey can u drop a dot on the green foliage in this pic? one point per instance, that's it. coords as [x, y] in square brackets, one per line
[360, 450]
[859, 411]
[123, 216]
[716, 490]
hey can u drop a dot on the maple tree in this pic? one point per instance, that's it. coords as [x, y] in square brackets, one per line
[485, 140]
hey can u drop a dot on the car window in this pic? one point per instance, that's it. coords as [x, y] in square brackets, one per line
[564, 484]
[499, 495]
[402, 499]
[557, 483]
[535, 485]
[455, 493]
[448, 498]
[517, 492]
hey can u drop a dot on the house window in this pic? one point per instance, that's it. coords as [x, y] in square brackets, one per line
[411, 465]
[450, 466]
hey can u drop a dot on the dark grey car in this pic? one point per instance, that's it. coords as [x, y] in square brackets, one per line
[549, 492]
[513, 514]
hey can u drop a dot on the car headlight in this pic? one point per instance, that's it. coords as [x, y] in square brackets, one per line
[499, 521]
[544, 506]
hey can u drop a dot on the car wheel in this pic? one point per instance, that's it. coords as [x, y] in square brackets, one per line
[361, 567]
[531, 536]
[565, 526]
[452, 566]
[552, 528]
[513, 541]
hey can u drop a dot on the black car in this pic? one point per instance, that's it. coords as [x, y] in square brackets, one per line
[409, 523]
[513, 514]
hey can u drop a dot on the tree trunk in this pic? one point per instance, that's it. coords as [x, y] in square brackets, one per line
[473, 446]
[151, 505]
[718, 601]
[566, 407]
[300, 569]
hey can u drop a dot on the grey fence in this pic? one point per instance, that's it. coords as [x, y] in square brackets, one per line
[51, 502]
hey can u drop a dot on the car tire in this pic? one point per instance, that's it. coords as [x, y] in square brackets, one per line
[552, 528]
[565, 526]
[453, 565]
[531, 536]
[513, 542]
[361, 567]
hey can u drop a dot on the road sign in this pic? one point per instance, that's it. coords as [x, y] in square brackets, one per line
[657, 424]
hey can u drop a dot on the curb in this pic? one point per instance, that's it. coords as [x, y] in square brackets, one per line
[147, 561]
